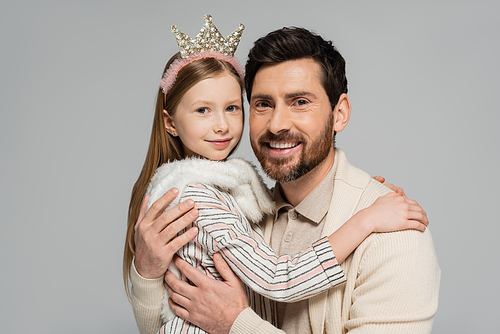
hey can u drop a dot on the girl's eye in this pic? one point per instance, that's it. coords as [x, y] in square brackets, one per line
[232, 108]
[202, 110]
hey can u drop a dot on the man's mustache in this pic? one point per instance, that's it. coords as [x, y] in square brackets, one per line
[280, 137]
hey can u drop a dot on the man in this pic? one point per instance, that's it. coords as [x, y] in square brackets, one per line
[296, 87]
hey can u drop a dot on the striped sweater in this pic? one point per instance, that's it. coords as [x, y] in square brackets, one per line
[231, 200]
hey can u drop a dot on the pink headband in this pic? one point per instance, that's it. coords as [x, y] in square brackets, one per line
[170, 75]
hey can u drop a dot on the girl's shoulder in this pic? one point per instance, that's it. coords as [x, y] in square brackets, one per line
[227, 173]
[235, 176]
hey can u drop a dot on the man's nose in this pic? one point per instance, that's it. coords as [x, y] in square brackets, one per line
[280, 119]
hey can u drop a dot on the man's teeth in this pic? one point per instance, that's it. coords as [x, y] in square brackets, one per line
[282, 145]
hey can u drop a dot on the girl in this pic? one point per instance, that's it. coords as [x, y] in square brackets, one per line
[198, 124]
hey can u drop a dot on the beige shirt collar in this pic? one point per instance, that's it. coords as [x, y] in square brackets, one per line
[315, 206]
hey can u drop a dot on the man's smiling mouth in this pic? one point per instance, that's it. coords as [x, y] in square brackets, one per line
[282, 145]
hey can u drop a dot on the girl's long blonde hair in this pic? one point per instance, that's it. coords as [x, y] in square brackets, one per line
[162, 146]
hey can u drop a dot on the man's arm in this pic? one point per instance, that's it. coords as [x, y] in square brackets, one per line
[396, 280]
[146, 298]
[397, 287]
[219, 307]
[156, 242]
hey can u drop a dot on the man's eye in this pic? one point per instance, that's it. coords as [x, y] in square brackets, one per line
[202, 110]
[262, 105]
[301, 102]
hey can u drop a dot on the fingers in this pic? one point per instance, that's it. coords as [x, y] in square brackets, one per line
[398, 190]
[177, 218]
[177, 243]
[142, 212]
[165, 284]
[223, 268]
[419, 216]
[416, 225]
[177, 302]
[416, 212]
[415, 207]
[174, 288]
[192, 274]
[209, 303]
[178, 310]
[395, 189]
[160, 220]
[389, 195]
[158, 206]
[156, 236]
[410, 201]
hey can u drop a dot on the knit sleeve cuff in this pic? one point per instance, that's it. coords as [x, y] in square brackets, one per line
[147, 292]
[248, 322]
[328, 262]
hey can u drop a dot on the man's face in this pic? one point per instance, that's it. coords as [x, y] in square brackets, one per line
[291, 120]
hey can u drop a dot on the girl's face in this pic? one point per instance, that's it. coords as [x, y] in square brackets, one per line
[209, 118]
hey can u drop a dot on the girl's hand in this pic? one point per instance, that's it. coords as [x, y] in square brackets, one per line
[155, 234]
[389, 213]
[395, 212]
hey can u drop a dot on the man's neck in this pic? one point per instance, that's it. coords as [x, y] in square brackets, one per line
[295, 191]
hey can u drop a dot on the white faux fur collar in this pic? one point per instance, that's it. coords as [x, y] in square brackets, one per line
[237, 176]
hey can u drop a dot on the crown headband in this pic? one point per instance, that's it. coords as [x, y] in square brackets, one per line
[208, 43]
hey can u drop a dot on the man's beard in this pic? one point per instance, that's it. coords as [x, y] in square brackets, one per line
[312, 154]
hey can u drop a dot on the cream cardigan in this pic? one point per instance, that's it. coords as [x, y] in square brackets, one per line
[392, 278]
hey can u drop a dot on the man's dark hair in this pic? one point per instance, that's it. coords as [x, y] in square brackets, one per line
[292, 43]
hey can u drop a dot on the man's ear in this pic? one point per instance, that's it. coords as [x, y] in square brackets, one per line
[169, 123]
[342, 113]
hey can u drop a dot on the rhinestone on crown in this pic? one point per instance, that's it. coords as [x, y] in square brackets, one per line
[208, 39]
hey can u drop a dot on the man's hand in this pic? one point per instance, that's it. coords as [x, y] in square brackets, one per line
[210, 304]
[155, 234]
[397, 190]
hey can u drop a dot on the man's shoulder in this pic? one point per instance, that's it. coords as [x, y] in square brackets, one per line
[348, 173]
[355, 177]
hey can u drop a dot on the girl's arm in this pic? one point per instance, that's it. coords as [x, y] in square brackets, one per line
[311, 271]
[282, 278]
[389, 213]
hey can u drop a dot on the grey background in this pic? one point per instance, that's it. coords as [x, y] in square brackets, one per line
[78, 80]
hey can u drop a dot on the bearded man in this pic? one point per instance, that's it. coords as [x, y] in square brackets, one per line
[297, 89]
